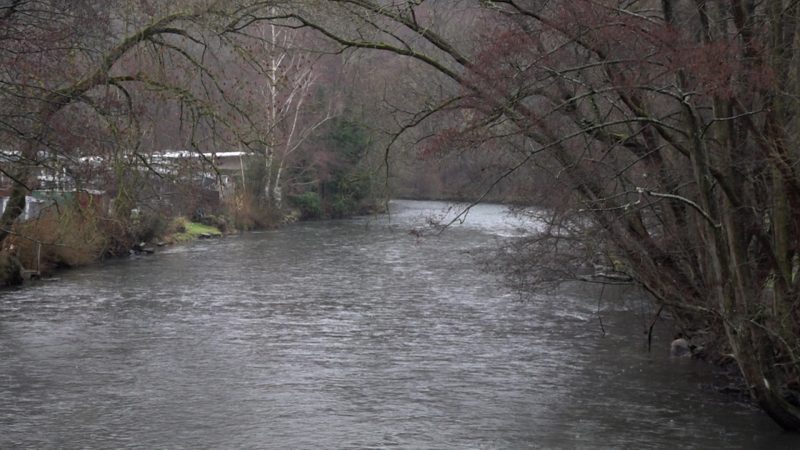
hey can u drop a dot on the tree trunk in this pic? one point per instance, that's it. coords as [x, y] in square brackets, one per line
[14, 208]
[754, 355]
[276, 190]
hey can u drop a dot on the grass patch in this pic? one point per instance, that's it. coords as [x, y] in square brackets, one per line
[186, 230]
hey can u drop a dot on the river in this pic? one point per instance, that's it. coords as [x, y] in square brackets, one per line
[346, 334]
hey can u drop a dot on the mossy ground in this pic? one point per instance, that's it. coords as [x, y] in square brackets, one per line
[186, 230]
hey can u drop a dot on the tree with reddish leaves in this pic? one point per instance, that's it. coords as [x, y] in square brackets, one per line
[666, 128]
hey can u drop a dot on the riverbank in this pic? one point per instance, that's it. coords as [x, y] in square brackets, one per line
[181, 230]
[72, 237]
[39, 249]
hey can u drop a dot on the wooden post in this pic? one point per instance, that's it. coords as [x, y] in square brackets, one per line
[241, 166]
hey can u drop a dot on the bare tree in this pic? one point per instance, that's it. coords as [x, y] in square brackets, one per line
[667, 126]
[71, 66]
[289, 106]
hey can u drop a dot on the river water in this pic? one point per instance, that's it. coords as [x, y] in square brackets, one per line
[346, 334]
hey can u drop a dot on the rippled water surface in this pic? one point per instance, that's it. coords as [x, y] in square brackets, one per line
[351, 334]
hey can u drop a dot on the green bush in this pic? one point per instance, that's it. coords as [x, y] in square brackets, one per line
[309, 204]
[148, 226]
[343, 206]
[10, 270]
